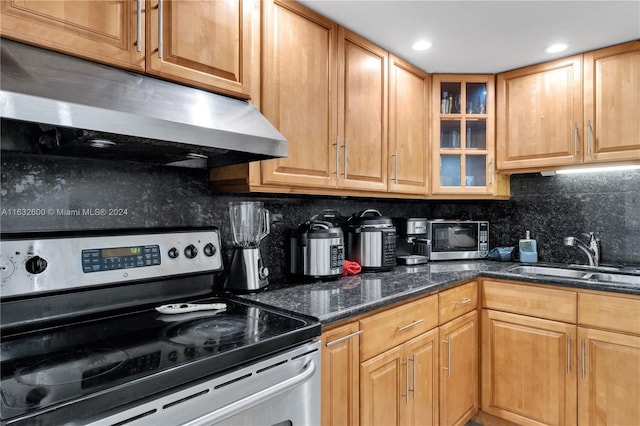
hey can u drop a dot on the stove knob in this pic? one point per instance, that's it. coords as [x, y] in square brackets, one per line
[36, 265]
[190, 251]
[173, 252]
[209, 250]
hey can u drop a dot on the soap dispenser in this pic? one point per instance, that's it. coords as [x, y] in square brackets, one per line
[528, 249]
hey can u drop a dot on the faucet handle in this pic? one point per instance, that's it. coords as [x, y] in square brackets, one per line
[592, 236]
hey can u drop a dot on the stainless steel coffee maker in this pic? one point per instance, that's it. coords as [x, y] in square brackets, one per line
[412, 246]
[249, 226]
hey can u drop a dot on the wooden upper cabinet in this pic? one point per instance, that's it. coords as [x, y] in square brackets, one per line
[208, 44]
[539, 115]
[110, 31]
[299, 93]
[362, 113]
[612, 103]
[408, 128]
[463, 136]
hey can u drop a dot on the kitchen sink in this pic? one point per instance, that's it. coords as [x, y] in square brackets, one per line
[613, 278]
[551, 271]
[547, 270]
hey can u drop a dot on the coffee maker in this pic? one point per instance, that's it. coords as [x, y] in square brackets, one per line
[412, 244]
[249, 226]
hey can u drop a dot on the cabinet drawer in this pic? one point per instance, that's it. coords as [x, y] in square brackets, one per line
[524, 299]
[611, 312]
[397, 325]
[458, 301]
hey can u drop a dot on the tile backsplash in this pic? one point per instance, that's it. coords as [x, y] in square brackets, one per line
[57, 189]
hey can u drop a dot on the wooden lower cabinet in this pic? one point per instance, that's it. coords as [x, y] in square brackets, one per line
[341, 376]
[529, 369]
[549, 357]
[400, 386]
[609, 384]
[459, 369]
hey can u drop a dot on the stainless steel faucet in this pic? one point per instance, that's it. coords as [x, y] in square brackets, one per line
[592, 249]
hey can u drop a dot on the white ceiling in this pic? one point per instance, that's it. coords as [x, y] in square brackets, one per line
[485, 36]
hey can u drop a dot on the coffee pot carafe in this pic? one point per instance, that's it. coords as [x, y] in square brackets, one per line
[249, 225]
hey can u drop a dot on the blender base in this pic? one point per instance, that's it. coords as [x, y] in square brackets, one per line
[247, 272]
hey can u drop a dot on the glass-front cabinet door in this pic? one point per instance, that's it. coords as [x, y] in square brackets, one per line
[463, 134]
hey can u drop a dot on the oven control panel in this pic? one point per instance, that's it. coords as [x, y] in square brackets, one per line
[48, 264]
[106, 259]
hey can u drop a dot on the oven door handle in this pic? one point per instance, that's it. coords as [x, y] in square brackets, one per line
[265, 394]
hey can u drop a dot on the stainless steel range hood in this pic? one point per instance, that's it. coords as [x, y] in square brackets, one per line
[100, 111]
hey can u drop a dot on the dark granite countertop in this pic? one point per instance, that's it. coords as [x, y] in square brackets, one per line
[333, 301]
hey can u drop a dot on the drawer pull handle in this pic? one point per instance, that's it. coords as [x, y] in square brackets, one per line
[465, 301]
[413, 324]
[343, 338]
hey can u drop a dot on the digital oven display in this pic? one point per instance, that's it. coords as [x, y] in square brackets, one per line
[108, 259]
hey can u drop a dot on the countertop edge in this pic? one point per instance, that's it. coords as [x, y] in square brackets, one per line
[404, 285]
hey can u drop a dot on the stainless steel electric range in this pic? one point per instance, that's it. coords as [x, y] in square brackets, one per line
[126, 328]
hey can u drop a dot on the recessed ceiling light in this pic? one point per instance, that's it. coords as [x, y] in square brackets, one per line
[421, 45]
[555, 48]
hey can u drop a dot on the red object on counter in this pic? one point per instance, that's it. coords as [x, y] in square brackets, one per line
[351, 268]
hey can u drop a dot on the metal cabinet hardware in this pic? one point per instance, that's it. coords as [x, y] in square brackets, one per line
[413, 366]
[406, 380]
[337, 145]
[139, 26]
[491, 171]
[343, 338]
[408, 388]
[584, 372]
[568, 354]
[575, 138]
[464, 301]
[448, 367]
[395, 159]
[413, 324]
[160, 29]
[588, 136]
[346, 158]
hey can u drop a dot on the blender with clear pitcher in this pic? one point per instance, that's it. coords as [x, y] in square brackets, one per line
[249, 225]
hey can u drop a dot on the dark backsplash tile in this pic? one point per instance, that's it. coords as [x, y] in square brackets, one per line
[155, 196]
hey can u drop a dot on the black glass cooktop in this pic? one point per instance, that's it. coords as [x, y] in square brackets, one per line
[113, 361]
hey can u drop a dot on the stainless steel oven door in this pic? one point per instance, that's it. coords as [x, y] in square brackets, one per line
[283, 390]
